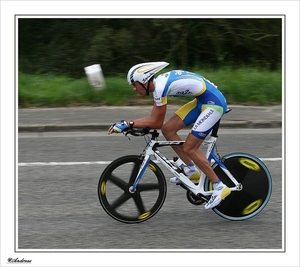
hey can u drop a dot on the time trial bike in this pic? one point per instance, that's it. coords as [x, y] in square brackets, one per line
[133, 188]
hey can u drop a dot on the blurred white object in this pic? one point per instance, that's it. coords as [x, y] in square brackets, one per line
[95, 76]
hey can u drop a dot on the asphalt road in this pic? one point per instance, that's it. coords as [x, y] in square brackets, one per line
[58, 206]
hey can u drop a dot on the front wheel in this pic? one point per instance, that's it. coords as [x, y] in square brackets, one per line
[122, 204]
[256, 182]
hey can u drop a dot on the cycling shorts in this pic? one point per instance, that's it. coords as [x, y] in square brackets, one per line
[203, 112]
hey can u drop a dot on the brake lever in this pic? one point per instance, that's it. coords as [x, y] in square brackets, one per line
[126, 134]
[133, 132]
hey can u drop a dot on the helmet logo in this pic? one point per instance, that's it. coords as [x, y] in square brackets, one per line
[146, 78]
[131, 78]
[145, 69]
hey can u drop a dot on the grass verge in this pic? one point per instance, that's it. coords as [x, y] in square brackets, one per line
[248, 86]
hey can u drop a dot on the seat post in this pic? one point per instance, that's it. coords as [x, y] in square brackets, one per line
[215, 129]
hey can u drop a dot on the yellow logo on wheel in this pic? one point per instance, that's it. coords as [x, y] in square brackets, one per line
[250, 164]
[252, 207]
[144, 215]
[103, 188]
[151, 167]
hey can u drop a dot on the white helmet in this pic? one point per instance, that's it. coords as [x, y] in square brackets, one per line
[144, 71]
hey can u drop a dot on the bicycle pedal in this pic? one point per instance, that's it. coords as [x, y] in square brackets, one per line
[195, 199]
[206, 199]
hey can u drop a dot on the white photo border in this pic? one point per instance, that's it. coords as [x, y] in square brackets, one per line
[289, 10]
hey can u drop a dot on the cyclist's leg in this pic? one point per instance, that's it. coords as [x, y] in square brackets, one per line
[202, 127]
[184, 116]
[207, 119]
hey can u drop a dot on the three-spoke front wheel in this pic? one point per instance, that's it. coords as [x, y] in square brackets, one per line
[116, 197]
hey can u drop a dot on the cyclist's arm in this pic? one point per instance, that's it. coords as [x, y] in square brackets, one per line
[155, 120]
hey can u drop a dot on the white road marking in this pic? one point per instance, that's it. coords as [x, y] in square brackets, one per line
[39, 164]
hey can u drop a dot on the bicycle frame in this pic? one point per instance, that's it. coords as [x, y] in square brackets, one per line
[151, 150]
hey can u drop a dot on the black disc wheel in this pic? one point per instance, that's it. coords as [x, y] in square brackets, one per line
[118, 200]
[256, 182]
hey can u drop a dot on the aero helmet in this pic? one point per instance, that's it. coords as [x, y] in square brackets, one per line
[143, 72]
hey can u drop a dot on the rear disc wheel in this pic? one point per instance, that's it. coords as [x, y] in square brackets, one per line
[256, 182]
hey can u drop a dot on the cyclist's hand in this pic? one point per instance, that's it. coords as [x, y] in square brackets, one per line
[118, 127]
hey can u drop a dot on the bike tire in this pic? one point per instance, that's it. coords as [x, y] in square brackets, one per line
[124, 206]
[256, 180]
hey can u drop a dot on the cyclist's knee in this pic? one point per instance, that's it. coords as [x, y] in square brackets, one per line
[168, 130]
[165, 130]
[172, 126]
[189, 150]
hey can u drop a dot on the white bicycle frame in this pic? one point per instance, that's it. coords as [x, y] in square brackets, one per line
[151, 150]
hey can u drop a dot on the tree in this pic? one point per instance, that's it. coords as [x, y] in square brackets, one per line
[66, 46]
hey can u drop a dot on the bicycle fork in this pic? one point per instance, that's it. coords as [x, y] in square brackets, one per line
[141, 172]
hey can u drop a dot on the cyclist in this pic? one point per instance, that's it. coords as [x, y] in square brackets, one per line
[208, 106]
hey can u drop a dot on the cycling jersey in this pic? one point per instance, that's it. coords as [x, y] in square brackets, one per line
[204, 111]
